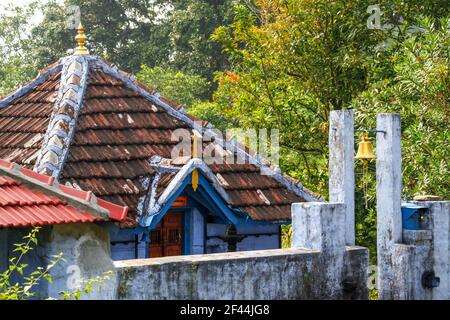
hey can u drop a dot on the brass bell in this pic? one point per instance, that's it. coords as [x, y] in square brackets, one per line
[365, 149]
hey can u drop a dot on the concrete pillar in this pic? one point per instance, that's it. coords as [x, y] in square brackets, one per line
[321, 226]
[341, 167]
[440, 216]
[389, 192]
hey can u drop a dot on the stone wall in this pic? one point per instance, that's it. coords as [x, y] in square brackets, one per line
[294, 273]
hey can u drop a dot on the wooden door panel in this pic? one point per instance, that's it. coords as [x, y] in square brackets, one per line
[156, 242]
[166, 238]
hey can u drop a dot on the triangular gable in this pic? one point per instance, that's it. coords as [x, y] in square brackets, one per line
[209, 193]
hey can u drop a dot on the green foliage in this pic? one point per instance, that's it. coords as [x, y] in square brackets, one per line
[207, 111]
[190, 24]
[291, 64]
[86, 287]
[373, 294]
[173, 34]
[418, 91]
[286, 236]
[23, 290]
[294, 61]
[9, 291]
[176, 86]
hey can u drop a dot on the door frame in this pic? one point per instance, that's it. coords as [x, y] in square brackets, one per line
[182, 231]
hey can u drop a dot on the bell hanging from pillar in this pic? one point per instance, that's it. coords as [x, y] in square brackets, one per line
[365, 149]
[365, 153]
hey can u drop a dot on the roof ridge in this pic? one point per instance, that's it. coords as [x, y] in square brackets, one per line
[79, 199]
[61, 129]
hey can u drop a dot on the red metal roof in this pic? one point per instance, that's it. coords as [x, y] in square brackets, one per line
[31, 199]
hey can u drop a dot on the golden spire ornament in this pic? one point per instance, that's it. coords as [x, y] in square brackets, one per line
[196, 143]
[80, 38]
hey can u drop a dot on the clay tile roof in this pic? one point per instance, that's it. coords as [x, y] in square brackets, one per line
[119, 125]
[31, 199]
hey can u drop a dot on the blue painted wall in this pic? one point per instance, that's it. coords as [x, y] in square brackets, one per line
[126, 249]
[3, 250]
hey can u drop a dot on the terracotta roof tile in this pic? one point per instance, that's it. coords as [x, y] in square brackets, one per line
[117, 132]
[24, 122]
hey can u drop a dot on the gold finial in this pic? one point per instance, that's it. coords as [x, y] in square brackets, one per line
[196, 143]
[80, 38]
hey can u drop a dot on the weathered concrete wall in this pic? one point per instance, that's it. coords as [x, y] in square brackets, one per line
[86, 251]
[440, 225]
[268, 274]
[325, 269]
[3, 250]
[322, 226]
[406, 256]
[423, 251]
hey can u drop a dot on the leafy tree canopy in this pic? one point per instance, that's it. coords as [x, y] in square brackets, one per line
[177, 86]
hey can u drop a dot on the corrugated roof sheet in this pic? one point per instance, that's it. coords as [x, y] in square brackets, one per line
[30, 199]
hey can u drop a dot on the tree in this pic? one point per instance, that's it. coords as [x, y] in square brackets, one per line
[177, 86]
[173, 34]
[295, 61]
[292, 62]
[418, 91]
[190, 25]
